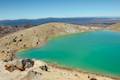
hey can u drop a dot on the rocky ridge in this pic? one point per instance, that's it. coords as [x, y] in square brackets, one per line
[36, 36]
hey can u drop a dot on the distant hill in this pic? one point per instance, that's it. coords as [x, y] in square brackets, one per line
[115, 27]
[82, 21]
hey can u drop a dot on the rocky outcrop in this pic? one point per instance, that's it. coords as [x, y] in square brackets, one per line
[19, 65]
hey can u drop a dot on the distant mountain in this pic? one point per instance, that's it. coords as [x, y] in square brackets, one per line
[64, 20]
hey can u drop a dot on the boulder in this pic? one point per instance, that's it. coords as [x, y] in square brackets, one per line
[93, 79]
[44, 68]
[10, 67]
[19, 65]
[27, 63]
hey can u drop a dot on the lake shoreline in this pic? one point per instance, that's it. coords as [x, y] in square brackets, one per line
[63, 67]
[33, 32]
[82, 71]
[99, 73]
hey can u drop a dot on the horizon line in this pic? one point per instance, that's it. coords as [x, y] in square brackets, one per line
[59, 18]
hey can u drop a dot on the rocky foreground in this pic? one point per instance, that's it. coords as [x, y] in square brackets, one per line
[12, 68]
[37, 70]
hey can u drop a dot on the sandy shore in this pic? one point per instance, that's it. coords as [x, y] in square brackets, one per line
[38, 36]
[83, 71]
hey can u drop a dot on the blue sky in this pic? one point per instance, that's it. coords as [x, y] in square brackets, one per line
[32, 9]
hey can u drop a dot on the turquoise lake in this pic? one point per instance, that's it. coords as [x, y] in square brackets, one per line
[96, 52]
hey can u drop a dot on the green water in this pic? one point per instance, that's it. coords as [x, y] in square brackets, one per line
[97, 52]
